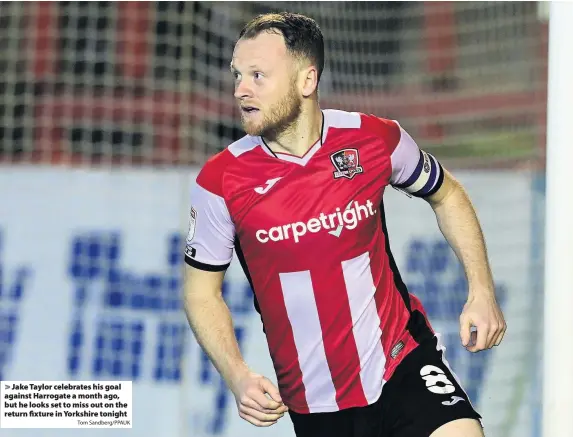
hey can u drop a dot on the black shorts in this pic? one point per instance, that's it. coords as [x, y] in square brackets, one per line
[421, 396]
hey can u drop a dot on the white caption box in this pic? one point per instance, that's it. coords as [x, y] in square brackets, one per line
[65, 404]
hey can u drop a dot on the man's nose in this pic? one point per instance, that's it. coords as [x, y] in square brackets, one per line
[242, 90]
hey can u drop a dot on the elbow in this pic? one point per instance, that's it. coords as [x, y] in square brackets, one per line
[196, 299]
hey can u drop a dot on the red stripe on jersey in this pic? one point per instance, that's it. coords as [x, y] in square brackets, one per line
[387, 130]
[282, 348]
[338, 336]
[211, 175]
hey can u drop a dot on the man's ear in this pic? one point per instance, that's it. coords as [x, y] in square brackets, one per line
[309, 80]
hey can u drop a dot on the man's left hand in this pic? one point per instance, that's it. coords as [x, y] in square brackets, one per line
[482, 312]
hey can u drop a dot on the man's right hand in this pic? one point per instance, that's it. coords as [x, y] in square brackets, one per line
[253, 403]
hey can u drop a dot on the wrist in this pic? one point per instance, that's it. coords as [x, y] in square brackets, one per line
[238, 372]
[481, 290]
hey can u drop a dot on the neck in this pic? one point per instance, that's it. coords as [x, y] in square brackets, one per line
[298, 138]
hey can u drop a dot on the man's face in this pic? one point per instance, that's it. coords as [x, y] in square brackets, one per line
[265, 84]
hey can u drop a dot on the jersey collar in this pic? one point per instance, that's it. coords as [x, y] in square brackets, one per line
[300, 160]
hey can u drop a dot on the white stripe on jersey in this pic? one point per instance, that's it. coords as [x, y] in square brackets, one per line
[366, 322]
[303, 316]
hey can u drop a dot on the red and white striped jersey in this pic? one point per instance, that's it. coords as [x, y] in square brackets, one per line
[311, 236]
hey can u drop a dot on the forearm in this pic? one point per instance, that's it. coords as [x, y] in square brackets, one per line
[211, 322]
[459, 224]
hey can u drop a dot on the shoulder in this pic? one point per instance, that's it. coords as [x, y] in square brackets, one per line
[213, 171]
[389, 131]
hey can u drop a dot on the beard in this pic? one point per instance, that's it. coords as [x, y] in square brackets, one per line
[276, 119]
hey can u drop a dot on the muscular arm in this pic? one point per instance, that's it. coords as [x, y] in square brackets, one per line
[459, 224]
[208, 254]
[421, 175]
[211, 322]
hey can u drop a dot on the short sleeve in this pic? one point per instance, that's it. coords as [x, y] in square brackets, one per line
[413, 170]
[210, 239]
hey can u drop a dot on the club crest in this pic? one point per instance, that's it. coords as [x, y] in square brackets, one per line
[346, 163]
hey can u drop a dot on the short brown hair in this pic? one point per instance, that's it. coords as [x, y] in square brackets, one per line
[303, 37]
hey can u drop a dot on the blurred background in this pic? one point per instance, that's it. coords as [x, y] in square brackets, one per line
[107, 112]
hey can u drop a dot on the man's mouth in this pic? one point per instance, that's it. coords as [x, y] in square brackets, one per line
[249, 109]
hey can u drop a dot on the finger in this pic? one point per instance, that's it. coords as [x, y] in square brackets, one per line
[254, 421]
[282, 409]
[271, 389]
[494, 330]
[248, 402]
[501, 334]
[262, 417]
[263, 401]
[465, 330]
